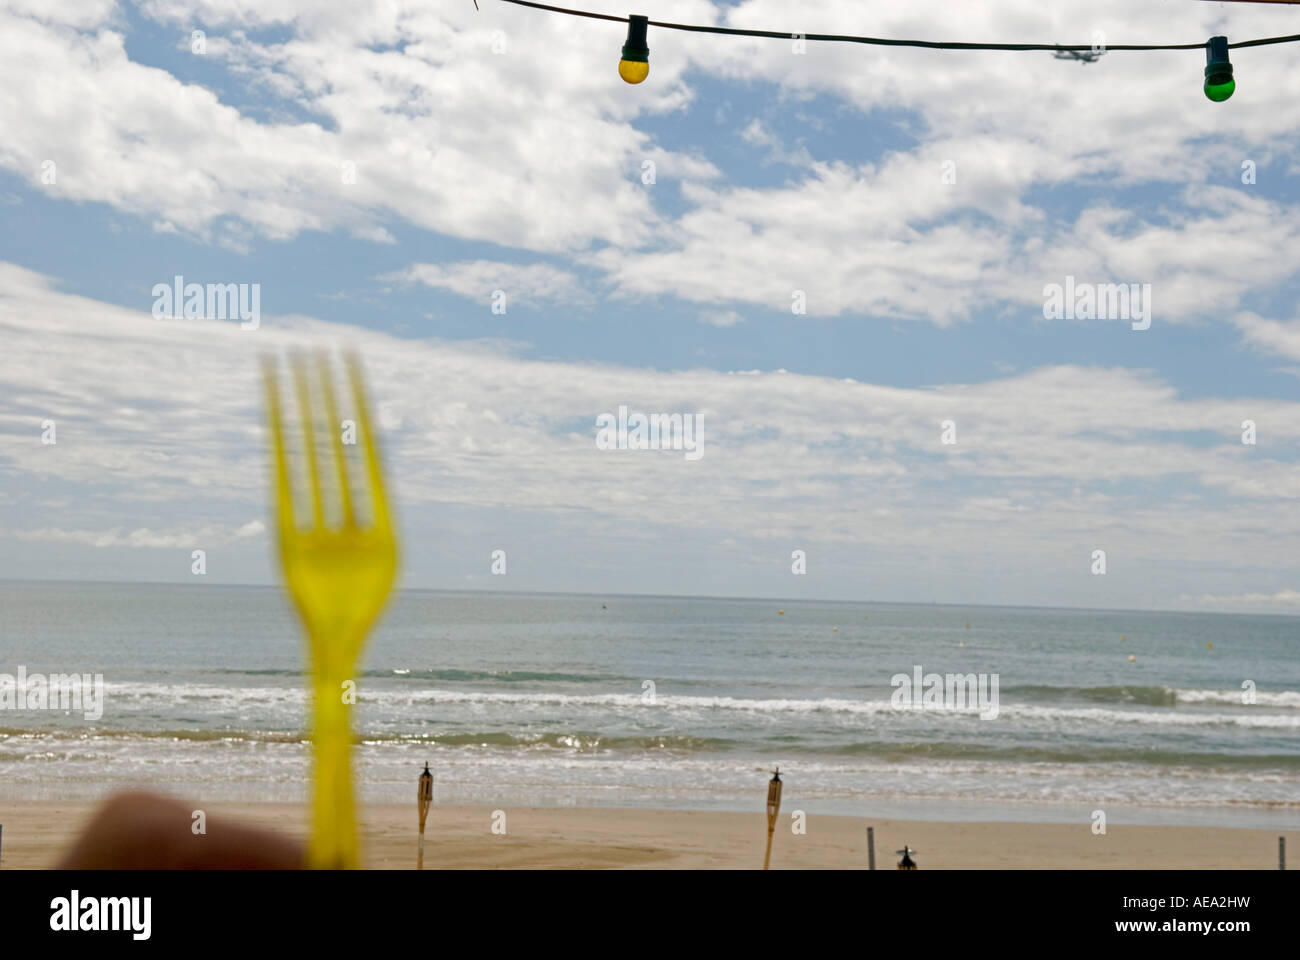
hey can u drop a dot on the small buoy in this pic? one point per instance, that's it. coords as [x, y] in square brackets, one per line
[967, 624]
[962, 643]
[1131, 658]
[780, 611]
[1209, 646]
[835, 629]
[1121, 638]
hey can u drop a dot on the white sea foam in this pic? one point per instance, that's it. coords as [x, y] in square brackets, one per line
[1263, 715]
[1264, 698]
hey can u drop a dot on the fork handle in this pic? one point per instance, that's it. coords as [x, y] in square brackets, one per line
[334, 834]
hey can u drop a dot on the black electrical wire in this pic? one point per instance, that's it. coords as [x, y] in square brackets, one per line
[882, 42]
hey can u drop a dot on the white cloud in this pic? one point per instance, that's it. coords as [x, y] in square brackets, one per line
[374, 234]
[721, 318]
[758, 135]
[144, 538]
[739, 244]
[551, 161]
[1271, 336]
[546, 166]
[529, 284]
[167, 415]
[1285, 598]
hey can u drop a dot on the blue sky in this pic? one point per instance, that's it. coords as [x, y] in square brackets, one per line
[521, 170]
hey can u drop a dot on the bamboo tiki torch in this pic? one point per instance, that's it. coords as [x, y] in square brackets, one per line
[773, 806]
[426, 799]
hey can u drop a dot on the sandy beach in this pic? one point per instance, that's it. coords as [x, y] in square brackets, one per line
[460, 837]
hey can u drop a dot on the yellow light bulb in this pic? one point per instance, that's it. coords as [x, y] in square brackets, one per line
[634, 65]
[633, 71]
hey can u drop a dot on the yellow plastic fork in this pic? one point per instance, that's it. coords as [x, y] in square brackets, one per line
[339, 578]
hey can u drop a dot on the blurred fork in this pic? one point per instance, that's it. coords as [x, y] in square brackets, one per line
[339, 578]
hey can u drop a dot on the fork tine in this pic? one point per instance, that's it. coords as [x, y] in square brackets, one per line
[332, 410]
[284, 495]
[309, 439]
[378, 500]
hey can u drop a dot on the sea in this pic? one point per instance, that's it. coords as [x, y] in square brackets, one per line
[669, 702]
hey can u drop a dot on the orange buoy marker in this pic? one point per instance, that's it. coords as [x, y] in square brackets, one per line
[1131, 658]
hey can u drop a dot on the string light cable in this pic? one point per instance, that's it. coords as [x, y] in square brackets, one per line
[634, 64]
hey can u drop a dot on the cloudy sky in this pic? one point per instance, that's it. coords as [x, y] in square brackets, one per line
[387, 171]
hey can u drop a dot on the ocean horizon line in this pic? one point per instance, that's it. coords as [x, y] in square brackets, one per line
[671, 596]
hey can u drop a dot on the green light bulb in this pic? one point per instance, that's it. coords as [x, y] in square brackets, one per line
[1218, 70]
[1218, 92]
